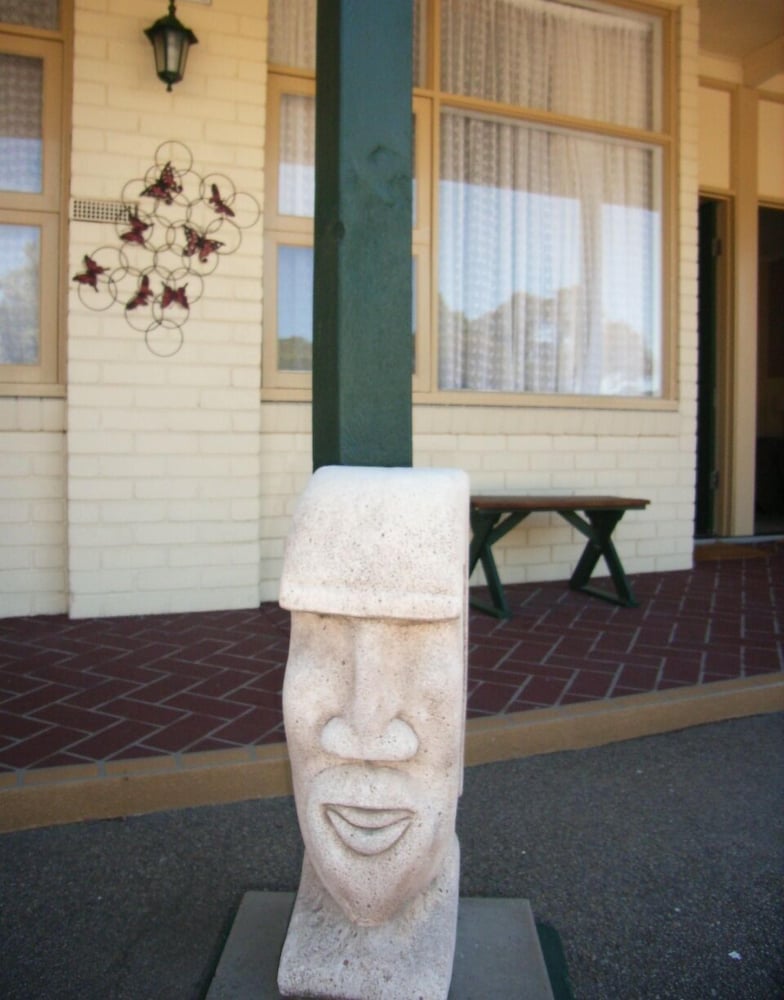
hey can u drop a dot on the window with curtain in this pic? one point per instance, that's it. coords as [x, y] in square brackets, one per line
[31, 86]
[540, 168]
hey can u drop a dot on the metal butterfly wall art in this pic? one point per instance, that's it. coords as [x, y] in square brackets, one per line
[143, 294]
[161, 257]
[218, 203]
[174, 296]
[91, 274]
[197, 243]
[166, 187]
[136, 233]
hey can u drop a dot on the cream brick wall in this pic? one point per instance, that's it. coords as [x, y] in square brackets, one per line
[164, 473]
[647, 454]
[32, 507]
[180, 483]
[563, 451]
[287, 464]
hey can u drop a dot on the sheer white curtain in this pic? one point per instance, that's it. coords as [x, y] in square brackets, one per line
[292, 33]
[549, 240]
[292, 43]
[297, 160]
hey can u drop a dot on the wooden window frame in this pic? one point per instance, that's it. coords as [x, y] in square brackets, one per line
[428, 101]
[44, 210]
[297, 231]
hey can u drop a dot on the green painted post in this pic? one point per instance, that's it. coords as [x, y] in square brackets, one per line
[362, 344]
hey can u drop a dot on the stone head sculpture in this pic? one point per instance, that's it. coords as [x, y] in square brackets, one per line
[374, 709]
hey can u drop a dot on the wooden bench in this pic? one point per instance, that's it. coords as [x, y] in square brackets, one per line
[492, 517]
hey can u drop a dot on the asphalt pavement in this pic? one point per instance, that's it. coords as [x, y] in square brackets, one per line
[658, 861]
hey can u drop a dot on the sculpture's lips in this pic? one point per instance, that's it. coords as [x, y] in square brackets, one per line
[368, 831]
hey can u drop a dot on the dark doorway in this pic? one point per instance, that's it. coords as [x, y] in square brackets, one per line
[769, 482]
[707, 390]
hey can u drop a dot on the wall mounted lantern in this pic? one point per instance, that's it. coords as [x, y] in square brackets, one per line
[170, 40]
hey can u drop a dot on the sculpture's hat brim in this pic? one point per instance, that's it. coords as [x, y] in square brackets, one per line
[379, 543]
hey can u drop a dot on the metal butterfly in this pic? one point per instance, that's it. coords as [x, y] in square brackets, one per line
[166, 187]
[219, 204]
[196, 243]
[174, 296]
[143, 294]
[90, 276]
[136, 233]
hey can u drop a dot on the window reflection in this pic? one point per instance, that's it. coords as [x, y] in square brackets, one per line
[21, 90]
[295, 309]
[20, 256]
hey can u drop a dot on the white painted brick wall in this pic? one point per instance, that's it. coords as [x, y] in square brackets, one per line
[287, 463]
[32, 507]
[181, 485]
[164, 488]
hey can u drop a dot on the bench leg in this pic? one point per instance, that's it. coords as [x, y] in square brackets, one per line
[602, 524]
[487, 528]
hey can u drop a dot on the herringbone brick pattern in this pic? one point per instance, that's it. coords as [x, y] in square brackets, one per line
[73, 692]
[104, 689]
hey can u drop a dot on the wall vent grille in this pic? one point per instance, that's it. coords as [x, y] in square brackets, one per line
[92, 210]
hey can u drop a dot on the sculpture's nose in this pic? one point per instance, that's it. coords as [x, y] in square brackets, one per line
[369, 726]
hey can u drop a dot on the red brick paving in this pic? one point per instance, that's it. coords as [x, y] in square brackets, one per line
[112, 689]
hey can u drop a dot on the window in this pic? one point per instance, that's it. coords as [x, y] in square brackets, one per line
[31, 193]
[542, 152]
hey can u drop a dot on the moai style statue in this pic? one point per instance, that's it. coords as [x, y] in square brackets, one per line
[374, 708]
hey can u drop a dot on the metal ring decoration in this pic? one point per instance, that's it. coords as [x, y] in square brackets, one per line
[179, 225]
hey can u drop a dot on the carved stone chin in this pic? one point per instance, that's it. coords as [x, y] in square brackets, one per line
[374, 708]
[327, 955]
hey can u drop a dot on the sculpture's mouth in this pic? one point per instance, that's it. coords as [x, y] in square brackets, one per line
[368, 831]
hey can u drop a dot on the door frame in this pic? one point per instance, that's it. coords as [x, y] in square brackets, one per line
[719, 450]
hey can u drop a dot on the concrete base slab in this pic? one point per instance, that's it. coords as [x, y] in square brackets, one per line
[497, 956]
